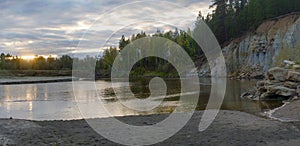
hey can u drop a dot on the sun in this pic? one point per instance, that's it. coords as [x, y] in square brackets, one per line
[28, 57]
[31, 57]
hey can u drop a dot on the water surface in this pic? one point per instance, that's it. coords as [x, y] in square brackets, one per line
[56, 101]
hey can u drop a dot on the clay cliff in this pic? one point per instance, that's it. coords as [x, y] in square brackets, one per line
[253, 54]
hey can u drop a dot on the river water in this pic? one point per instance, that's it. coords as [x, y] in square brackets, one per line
[56, 101]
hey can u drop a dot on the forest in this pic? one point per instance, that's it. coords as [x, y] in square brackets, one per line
[233, 18]
[229, 19]
[10, 62]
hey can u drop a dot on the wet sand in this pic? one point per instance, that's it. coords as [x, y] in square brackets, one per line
[229, 128]
[289, 112]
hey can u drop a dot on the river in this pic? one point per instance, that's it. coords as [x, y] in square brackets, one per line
[56, 101]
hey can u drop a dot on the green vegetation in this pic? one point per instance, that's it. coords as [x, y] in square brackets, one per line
[38, 66]
[151, 66]
[9, 62]
[233, 18]
[288, 54]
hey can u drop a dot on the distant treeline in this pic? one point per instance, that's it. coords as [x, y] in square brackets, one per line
[151, 66]
[10, 62]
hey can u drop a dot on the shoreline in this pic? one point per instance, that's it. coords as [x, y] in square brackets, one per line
[269, 114]
[229, 128]
[289, 112]
[33, 80]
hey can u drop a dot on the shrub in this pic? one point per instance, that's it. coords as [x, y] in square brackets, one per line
[288, 54]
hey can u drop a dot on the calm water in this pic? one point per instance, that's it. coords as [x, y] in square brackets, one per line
[56, 101]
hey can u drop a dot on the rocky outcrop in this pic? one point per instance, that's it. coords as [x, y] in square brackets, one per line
[278, 74]
[280, 83]
[260, 49]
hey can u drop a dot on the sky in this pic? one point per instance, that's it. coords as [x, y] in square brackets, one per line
[86, 27]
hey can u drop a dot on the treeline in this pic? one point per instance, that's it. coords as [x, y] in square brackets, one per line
[233, 18]
[10, 62]
[230, 19]
[151, 66]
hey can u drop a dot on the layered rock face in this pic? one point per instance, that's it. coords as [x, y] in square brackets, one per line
[280, 83]
[255, 53]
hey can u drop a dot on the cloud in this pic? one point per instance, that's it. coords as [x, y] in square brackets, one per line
[57, 26]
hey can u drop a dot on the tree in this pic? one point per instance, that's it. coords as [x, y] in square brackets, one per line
[232, 18]
[219, 18]
[123, 42]
[66, 62]
[109, 58]
[39, 63]
[51, 63]
[2, 61]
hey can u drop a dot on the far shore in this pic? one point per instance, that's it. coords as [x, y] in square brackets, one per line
[33, 80]
[229, 128]
[35, 73]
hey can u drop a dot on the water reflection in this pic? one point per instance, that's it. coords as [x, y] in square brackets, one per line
[38, 101]
[56, 100]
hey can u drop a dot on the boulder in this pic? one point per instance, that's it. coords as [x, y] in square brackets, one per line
[293, 76]
[291, 85]
[296, 68]
[260, 83]
[273, 83]
[280, 91]
[279, 84]
[247, 95]
[264, 96]
[251, 94]
[277, 73]
[262, 89]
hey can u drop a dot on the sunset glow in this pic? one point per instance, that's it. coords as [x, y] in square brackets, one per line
[31, 57]
[28, 57]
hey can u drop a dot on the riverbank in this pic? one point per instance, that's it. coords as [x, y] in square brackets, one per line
[229, 128]
[279, 84]
[32, 80]
[35, 73]
[289, 112]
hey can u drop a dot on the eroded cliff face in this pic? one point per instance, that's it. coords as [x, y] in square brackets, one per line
[258, 51]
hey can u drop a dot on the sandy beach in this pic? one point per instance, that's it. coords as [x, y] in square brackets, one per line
[229, 128]
[289, 112]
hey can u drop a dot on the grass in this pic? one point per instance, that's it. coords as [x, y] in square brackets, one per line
[288, 54]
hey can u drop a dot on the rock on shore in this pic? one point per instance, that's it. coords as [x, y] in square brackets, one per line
[280, 83]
